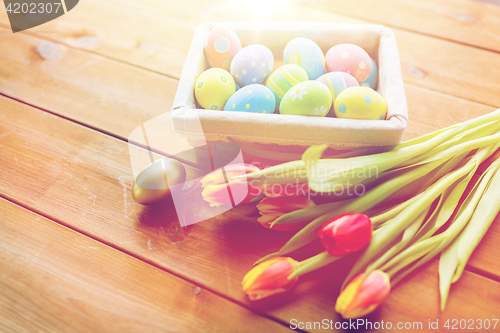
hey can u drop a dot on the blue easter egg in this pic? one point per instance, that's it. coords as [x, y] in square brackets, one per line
[254, 98]
[371, 80]
[307, 54]
[253, 64]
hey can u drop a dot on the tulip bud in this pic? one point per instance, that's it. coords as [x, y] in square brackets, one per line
[363, 294]
[346, 233]
[272, 208]
[270, 278]
[220, 189]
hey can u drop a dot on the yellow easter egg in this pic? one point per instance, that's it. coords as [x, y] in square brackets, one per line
[360, 103]
[213, 88]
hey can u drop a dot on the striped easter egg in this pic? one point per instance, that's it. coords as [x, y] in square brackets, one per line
[336, 83]
[283, 78]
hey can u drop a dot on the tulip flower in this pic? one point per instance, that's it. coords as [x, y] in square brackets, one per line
[363, 294]
[219, 188]
[346, 233]
[270, 278]
[272, 208]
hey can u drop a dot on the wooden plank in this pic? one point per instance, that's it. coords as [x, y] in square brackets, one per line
[426, 61]
[116, 102]
[86, 185]
[462, 21]
[54, 279]
[429, 110]
[72, 84]
[473, 76]
[106, 28]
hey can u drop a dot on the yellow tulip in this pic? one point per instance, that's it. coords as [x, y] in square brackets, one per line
[363, 294]
[270, 278]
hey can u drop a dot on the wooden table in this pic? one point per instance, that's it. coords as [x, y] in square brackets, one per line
[78, 254]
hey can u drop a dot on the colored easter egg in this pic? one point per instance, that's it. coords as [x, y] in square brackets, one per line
[360, 103]
[308, 98]
[336, 83]
[213, 88]
[284, 78]
[221, 47]
[349, 58]
[372, 79]
[157, 181]
[307, 54]
[254, 98]
[253, 64]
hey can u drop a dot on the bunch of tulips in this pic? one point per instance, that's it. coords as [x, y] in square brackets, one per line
[426, 198]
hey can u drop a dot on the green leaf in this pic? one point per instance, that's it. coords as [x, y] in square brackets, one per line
[313, 153]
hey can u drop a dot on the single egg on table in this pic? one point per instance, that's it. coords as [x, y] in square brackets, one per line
[221, 47]
[284, 78]
[308, 98]
[254, 98]
[307, 54]
[213, 88]
[349, 58]
[253, 64]
[336, 83]
[156, 182]
[372, 79]
[360, 103]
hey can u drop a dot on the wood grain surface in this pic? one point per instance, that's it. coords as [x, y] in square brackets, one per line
[86, 171]
[90, 259]
[66, 282]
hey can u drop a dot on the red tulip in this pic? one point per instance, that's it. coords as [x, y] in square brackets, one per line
[272, 208]
[217, 191]
[363, 294]
[346, 233]
[270, 278]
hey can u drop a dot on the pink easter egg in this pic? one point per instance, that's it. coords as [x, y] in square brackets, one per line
[349, 58]
[221, 47]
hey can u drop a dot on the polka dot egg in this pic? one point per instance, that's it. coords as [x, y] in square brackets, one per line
[360, 103]
[336, 83]
[349, 58]
[254, 98]
[221, 47]
[213, 88]
[284, 78]
[253, 64]
[372, 79]
[307, 54]
[309, 98]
